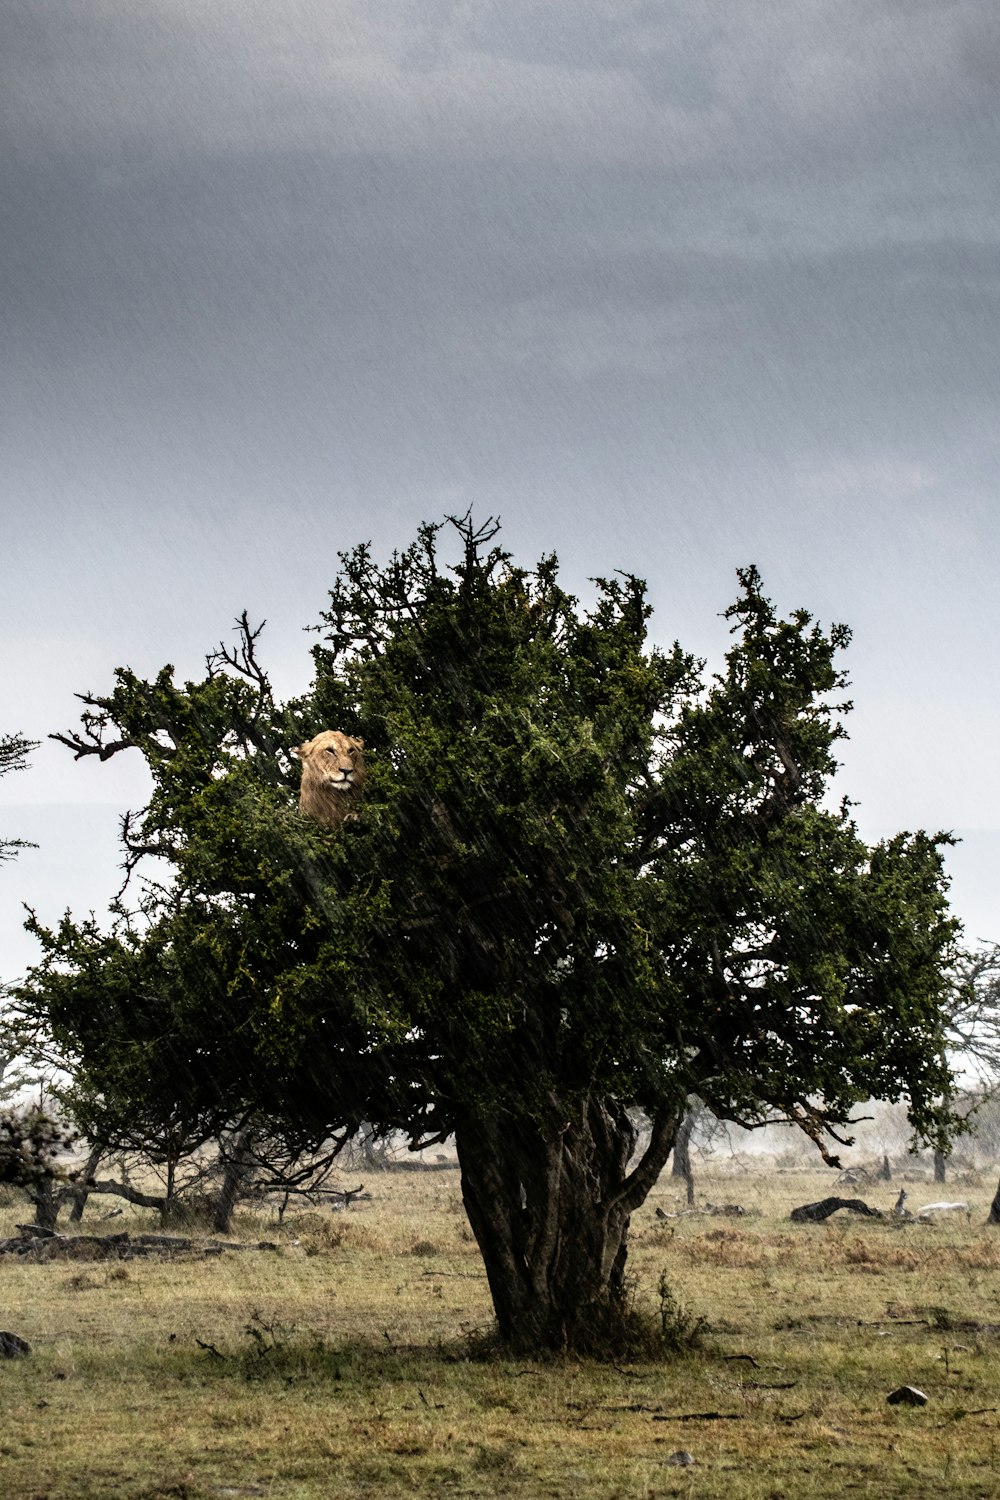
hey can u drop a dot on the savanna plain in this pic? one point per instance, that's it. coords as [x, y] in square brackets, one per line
[353, 1358]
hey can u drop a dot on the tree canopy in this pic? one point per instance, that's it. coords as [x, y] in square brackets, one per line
[587, 877]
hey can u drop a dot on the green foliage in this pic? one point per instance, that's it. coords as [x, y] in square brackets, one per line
[681, 1331]
[30, 1143]
[581, 867]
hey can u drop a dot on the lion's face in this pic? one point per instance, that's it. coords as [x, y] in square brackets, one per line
[333, 773]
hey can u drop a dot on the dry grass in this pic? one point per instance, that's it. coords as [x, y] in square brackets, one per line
[338, 1365]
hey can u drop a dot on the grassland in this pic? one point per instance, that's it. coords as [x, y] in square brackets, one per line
[342, 1363]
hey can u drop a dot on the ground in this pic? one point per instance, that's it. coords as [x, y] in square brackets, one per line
[340, 1364]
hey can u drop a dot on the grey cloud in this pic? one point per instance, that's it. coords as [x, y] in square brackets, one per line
[669, 84]
[672, 285]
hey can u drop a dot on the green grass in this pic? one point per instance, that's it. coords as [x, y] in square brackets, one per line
[340, 1364]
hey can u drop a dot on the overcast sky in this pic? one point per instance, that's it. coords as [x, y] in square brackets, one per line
[671, 285]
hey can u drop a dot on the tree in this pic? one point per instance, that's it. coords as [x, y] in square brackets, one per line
[973, 1037]
[14, 752]
[30, 1140]
[681, 1165]
[973, 1014]
[18, 1067]
[586, 879]
[698, 1122]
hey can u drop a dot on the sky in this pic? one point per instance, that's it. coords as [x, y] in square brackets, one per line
[671, 286]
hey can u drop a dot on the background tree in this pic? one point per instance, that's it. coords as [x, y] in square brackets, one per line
[19, 1065]
[587, 879]
[973, 1014]
[14, 752]
[31, 1141]
[699, 1126]
[973, 1036]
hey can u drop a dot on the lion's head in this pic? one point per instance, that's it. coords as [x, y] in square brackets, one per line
[333, 774]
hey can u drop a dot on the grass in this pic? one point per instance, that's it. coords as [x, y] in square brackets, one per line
[340, 1363]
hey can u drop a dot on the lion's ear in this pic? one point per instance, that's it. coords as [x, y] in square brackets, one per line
[360, 744]
[297, 750]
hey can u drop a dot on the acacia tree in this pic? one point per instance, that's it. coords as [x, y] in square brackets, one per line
[586, 879]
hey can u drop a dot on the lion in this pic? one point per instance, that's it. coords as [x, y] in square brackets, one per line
[333, 775]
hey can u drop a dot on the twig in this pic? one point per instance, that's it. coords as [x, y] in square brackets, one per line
[632, 1406]
[209, 1349]
[704, 1416]
[977, 1411]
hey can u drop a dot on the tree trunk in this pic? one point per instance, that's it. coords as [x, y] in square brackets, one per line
[549, 1202]
[47, 1200]
[994, 1216]
[237, 1165]
[940, 1167]
[81, 1191]
[682, 1153]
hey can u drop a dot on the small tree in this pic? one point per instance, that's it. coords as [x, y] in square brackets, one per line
[586, 880]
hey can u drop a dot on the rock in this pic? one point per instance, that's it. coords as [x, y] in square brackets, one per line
[682, 1458]
[13, 1347]
[906, 1395]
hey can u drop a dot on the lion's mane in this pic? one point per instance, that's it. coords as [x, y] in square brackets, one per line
[333, 776]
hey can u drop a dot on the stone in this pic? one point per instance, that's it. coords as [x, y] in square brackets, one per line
[906, 1395]
[13, 1347]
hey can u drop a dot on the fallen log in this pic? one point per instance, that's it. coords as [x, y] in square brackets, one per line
[46, 1246]
[814, 1213]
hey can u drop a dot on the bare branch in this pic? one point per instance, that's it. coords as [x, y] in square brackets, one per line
[241, 658]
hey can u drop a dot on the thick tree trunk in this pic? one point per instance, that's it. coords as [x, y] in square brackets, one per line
[940, 1166]
[549, 1202]
[47, 1200]
[237, 1166]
